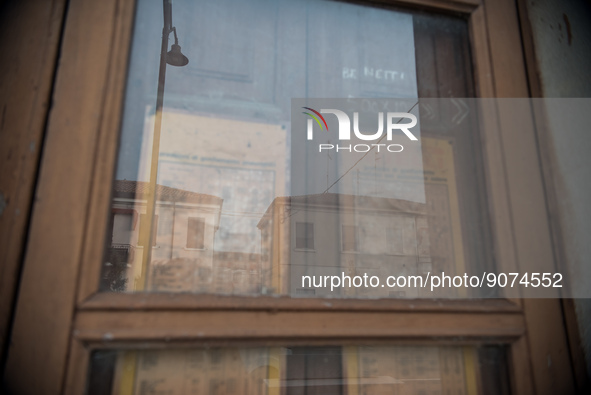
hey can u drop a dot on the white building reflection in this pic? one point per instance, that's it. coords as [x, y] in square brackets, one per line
[312, 235]
[335, 235]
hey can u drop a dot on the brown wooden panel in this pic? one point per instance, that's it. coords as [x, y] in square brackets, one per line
[575, 346]
[553, 187]
[494, 163]
[505, 47]
[548, 347]
[520, 368]
[186, 301]
[29, 40]
[43, 316]
[77, 368]
[533, 77]
[105, 156]
[481, 56]
[551, 365]
[142, 326]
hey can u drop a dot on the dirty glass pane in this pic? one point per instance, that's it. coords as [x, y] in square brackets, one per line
[367, 370]
[206, 162]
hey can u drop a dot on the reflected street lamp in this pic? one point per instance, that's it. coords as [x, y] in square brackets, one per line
[174, 57]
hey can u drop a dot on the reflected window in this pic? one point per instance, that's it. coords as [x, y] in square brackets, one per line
[123, 225]
[328, 370]
[314, 370]
[196, 233]
[304, 235]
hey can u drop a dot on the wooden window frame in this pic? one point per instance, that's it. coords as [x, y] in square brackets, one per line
[61, 316]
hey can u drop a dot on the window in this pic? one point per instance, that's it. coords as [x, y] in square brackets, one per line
[122, 227]
[196, 233]
[247, 59]
[327, 370]
[304, 235]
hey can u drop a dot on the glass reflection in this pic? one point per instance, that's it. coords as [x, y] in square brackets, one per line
[368, 370]
[227, 214]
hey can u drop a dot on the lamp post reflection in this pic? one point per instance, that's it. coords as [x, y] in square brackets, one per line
[174, 57]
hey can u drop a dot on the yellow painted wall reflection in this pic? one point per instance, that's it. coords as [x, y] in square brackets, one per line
[354, 370]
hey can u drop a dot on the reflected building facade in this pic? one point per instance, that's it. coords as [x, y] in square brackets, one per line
[340, 235]
[302, 240]
[183, 258]
[183, 232]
